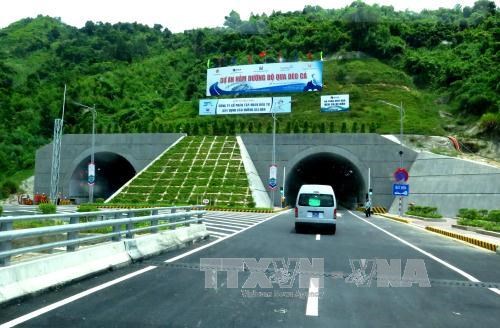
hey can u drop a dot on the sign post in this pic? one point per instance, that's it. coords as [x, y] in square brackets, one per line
[399, 188]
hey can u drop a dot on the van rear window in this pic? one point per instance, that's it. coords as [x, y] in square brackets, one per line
[316, 200]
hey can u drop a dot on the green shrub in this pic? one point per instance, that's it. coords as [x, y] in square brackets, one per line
[472, 214]
[424, 211]
[87, 208]
[494, 216]
[8, 187]
[493, 227]
[47, 208]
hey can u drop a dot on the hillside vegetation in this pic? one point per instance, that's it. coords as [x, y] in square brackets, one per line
[144, 79]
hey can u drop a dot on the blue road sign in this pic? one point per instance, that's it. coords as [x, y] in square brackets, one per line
[272, 183]
[400, 189]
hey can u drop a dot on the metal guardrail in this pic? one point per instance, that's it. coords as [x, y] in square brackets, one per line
[116, 219]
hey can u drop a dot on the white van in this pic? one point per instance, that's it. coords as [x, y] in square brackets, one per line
[316, 205]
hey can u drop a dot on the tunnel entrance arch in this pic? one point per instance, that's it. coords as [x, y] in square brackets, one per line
[329, 166]
[112, 171]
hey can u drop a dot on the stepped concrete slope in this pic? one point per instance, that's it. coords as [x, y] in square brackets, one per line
[259, 194]
[194, 169]
[450, 184]
[118, 158]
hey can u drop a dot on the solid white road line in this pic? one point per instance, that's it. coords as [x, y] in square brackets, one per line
[318, 237]
[312, 297]
[73, 298]
[219, 240]
[435, 258]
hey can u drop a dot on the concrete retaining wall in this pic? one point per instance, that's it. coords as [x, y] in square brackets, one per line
[139, 149]
[450, 184]
[34, 276]
[364, 150]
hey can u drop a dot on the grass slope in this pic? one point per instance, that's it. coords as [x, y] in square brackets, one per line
[194, 169]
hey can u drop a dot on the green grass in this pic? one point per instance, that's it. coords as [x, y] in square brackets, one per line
[200, 175]
[424, 212]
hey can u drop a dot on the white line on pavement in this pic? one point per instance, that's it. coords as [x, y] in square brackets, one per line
[240, 219]
[435, 258]
[73, 298]
[217, 234]
[318, 237]
[218, 227]
[312, 297]
[235, 223]
[219, 240]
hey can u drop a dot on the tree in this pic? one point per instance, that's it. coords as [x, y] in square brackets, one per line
[332, 127]
[344, 127]
[233, 20]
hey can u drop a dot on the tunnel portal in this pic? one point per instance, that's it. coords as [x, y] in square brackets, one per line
[328, 169]
[112, 171]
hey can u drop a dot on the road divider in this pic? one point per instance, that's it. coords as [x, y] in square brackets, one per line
[452, 234]
[467, 239]
[30, 277]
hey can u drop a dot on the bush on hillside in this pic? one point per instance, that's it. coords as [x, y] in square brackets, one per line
[47, 208]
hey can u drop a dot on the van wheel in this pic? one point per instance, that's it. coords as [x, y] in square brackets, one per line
[333, 229]
[298, 228]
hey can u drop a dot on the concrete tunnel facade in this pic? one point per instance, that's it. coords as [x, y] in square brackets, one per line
[329, 166]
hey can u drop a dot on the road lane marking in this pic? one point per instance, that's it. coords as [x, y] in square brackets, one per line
[435, 258]
[175, 258]
[217, 234]
[73, 298]
[218, 227]
[236, 224]
[312, 297]
[318, 237]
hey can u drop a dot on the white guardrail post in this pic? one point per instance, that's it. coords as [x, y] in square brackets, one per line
[7, 244]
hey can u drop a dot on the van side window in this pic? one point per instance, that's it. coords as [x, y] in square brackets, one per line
[316, 200]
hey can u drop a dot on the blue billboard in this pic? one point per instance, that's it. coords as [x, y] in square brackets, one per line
[265, 78]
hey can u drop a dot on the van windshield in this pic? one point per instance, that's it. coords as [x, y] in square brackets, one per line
[316, 200]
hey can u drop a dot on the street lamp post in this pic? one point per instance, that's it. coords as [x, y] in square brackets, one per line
[91, 177]
[273, 155]
[401, 115]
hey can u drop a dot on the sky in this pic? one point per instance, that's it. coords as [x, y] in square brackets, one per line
[180, 15]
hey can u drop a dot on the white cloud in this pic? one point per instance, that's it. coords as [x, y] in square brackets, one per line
[179, 15]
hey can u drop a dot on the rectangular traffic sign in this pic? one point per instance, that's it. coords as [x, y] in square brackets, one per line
[273, 172]
[400, 189]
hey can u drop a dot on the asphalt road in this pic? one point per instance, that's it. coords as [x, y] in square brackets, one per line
[173, 293]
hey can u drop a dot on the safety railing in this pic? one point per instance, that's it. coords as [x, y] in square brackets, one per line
[122, 224]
